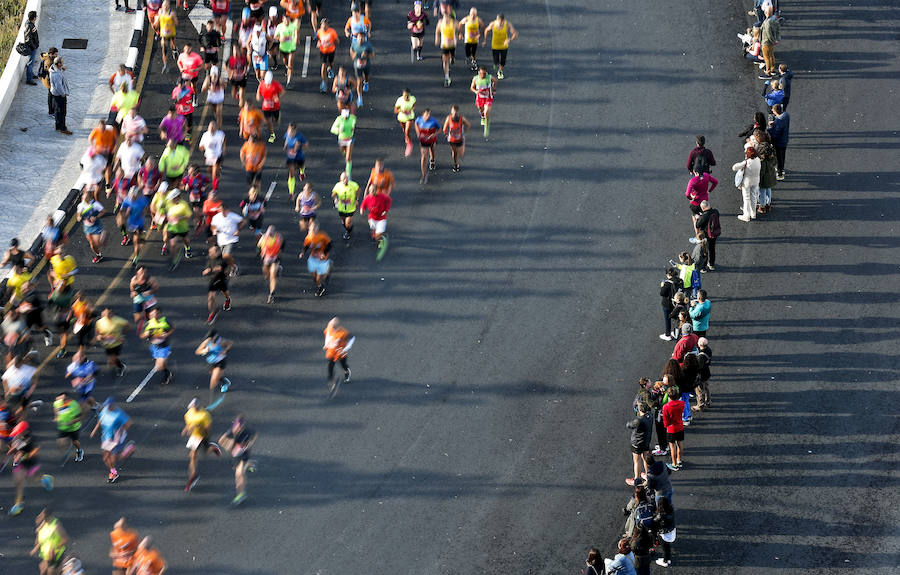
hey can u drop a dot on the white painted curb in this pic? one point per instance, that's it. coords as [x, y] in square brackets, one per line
[15, 64]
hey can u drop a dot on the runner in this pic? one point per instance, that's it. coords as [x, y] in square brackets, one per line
[259, 54]
[502, 33]
[269, 93]
[344, 127]
[82, 374]
[174, 161]
[31, 306]
[416, 21]
[307, 205]
[270, 246]
[171, 127]
[25, 465]
[238, 67]
[143, 290]
[336, 338]
[212, 144]
[83, 321]
[134, 126]
[210, 44]
[227, 226]
[128, 158]
[405, 108]
[190, 63]
[119, 188]
[427, 129]
[197, 422]
[327, 40]
[362, 54]
[378, 204]
[271, 26]
[89, 212]
[185, 97]
[211, 207]
[484, 86]
[238, 440]
[343, 88]
[19, 382]
[250, 120]
[158, 330]
[158, 210]
[60, 301]
[123, 545]
[214, 86]
[153, 7]
[178, 224]
[215, 350]
[133, 210]
[355, 24]
[470, 29]
[195, 183]
[445, 37]
[295, 146]
[220, 10]
[102, 141]
[319, 246]
[68, 416]
[149, 177]
[147, 560]
[14, 255]
[345, 199]
[286, 34]
[455, 128]
[50, 541]
[381, 178]
[253, 208]
[294, 10]
[217, 266]
[109, 330]
[167, 22]
[253, 156]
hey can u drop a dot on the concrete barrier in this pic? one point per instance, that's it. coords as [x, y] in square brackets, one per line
[15, 65]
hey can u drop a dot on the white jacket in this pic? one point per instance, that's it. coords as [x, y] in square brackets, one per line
[751, 172]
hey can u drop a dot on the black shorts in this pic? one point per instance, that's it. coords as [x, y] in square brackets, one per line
[315, 5]
[286, 54]
[258, 13]
[346, 214]
[114, 350]
[220, 364]
[427, 145]
[639, 450]
[273, 114]
[256, 224]
[73, 435]
[253, 177]
[451, 51]
[362, 71]
[500, 57]
[178, 235]
[86, 335]
[218, 284]
[327, 57]
[242, 83]
[210, 57]
[676, 436]
[308, 217]
[457, 145]
[695, 209]
[295, 162]
[471, 49]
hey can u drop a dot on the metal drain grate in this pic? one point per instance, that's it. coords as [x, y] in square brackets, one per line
[74, 43]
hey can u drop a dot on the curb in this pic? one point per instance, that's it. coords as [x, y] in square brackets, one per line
[15, 64]
[69, 204]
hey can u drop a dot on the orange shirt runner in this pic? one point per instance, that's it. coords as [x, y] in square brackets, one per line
[317, 244]
[335, 340]
[327, 40]
[103, 140]
[149, 562]
[254, 155]
[293, 8]
[251, 121]
[383, 181]
[124, 544]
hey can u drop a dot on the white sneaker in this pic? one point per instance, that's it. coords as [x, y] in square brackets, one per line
[662, 562]
[665, 337]
[743, 219]
[692, 240]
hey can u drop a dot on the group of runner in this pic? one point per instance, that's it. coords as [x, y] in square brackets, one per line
[180, 199]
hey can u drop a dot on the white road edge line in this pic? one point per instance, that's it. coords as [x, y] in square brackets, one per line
[305, 59]
[141, 385]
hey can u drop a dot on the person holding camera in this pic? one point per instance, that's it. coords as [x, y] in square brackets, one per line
[59, 87]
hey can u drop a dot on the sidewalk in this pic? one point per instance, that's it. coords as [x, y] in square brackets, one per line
[38, 166]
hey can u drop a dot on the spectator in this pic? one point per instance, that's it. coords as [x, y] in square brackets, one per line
[60, 90]
[785, 77]
[770, 34]
[664, 528]
[680, 305]
[593, 565]
[708, 221]
[700, 314]
[641, 430]
[772, 92]
[622, 563]
[690, 279]
[641, 546]
[44, 74]
[779, 133]
[667, 291]
[658, 479]
[672, 414]
[690, 369]
[701, 159]
[754, 47]
[749, 183]
[686, 343]
[640, 510]
[704, 359]
[698, 190]
[759, 123]
[31, 40]
[767, 173]
[700, 252]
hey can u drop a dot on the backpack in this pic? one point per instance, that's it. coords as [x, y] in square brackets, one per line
[643, 515]
[713, 225]
[701, 163]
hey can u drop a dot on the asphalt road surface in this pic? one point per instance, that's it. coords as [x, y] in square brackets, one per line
[499, 341]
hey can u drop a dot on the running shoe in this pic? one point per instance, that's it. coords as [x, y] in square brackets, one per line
[164, 251]
[125, 241]
[447, 82]
[187, 252]
[431, 165]
[192, 482]
[680, 465]
[113, 475]
[215, 448]
[665, 337]
[482, 120]
[121, 371]
[672, 467]
[97, 258]
[330, 73]
[239, 498]
[320, 291]
[61, 354]
[271, 137]
[47, 482]
[408, 148]
[663, 563]
[79, 454]
[227, 305]
[16, 509]
[322, 87]
[346, 236]
[226, 383]
[270, 299]
[48, 338]
[456, 167]
[500, 75]
[359, 101]
[346, 376]
[211, 318]
[365, 86]
[660, 452]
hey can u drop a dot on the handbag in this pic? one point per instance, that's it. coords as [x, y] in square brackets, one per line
[23, 49]
[739, 176]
